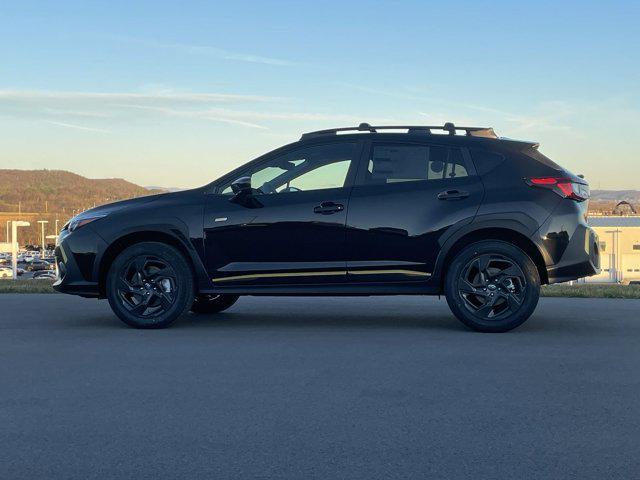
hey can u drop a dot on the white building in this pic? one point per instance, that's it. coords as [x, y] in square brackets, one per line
[619, 248]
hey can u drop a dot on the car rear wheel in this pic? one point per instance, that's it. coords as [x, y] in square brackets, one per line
[149, 285]
[207, 304]
[492, 286]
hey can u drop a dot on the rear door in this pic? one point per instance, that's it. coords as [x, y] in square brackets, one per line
[406, 196]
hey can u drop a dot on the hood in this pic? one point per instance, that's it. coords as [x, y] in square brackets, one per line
[115, 206]
[108, 208]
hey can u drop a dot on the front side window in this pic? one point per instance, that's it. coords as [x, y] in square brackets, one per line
[312, 168]
[409, 163]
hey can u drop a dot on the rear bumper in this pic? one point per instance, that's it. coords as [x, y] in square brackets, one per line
[579, 256]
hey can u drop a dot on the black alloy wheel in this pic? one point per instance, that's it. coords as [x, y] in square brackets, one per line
[149, 285]
[492, 286]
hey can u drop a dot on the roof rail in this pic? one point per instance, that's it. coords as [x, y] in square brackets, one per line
[485, 132]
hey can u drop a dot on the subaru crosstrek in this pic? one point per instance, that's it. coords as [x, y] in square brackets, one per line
[419, 210]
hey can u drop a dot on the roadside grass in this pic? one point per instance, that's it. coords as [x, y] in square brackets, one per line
[560, 290]
[591, 291]
[26, 286]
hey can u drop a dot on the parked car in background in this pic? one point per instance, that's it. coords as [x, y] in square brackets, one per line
[6, 272]
[354, 211]
[44, 275]
[37, 265]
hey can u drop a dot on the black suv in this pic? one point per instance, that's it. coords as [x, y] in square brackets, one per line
[424, 210]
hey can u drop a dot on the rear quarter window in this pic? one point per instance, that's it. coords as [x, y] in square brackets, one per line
[538, 156]
[485, 160]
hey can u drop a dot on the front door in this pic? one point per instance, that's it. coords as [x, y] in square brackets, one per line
[406, 196]
[291, 229]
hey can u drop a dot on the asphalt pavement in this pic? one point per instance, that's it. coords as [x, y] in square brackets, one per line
[325, 388]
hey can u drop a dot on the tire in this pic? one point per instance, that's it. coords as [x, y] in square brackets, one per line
[208, 304]
[492, 286]
[154, 273]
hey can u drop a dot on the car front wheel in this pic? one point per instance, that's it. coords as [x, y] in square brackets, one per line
[492, 286]
[149, 285]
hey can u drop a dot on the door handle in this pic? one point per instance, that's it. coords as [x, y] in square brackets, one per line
[452, 195]
[327, 208]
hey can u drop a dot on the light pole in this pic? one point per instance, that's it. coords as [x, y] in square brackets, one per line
[14, 245]
[42, 224]
[55, 240]
[8, 222]
[614, 257]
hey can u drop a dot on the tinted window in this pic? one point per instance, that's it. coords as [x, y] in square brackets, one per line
[456, 165]
[330, 175]
[312, 168]
[409, 163]
[537, 155]
[486, 161]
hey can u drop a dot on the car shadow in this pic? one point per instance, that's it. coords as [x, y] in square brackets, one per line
[361, 316]
[329, 320]
[356, 317]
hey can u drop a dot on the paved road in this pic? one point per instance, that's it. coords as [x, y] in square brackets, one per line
[319, 388]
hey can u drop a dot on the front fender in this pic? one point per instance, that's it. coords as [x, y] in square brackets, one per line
[170, 230]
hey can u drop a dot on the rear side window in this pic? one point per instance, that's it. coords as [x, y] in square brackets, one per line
[537, 155]
[410, 163]
[485, 161]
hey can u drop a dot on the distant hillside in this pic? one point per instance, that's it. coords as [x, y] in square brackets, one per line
[631, 196]
[164, 189]
[60, 191]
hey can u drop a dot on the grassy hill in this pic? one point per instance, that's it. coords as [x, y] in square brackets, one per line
[56, 194]
[60, 191]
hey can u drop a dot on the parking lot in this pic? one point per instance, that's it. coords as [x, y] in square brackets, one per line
[26, 276]
[388, 387]
[26, 269]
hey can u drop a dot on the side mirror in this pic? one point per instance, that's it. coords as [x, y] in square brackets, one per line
[241, 186]
[243, 193]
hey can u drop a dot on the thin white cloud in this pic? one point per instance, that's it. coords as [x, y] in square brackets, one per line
[517, 122]
[206, 50]
[546, 116]
[101, 111]
[91, 110]
[203, 115]
[393, 93]
[249, 117]
[104, 97]
[76, 113]
[77, 127]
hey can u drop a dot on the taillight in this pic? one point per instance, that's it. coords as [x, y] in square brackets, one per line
[563, 186]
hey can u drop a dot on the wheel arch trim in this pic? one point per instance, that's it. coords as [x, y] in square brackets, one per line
[511, 231]
[162, 233]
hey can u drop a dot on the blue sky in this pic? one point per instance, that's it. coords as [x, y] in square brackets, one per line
[177, 93]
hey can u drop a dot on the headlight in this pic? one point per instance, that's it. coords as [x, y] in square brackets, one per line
[76, 223]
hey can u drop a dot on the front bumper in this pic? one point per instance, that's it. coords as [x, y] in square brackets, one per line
[76, 260]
